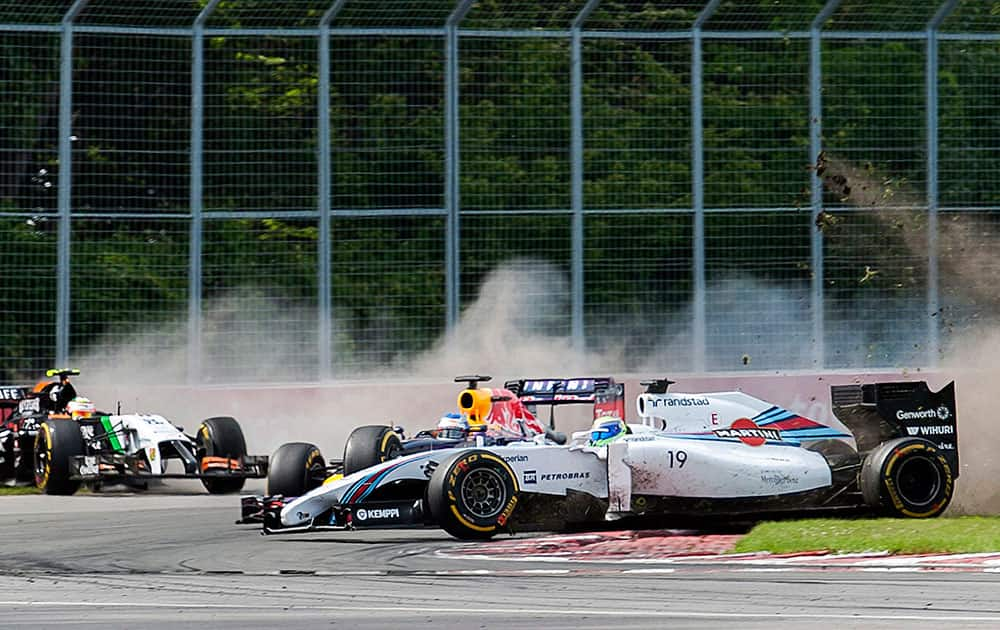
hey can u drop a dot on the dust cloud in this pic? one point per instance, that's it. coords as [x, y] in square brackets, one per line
[516, 327]
[974, 363]
[513, 329]
[970, 304]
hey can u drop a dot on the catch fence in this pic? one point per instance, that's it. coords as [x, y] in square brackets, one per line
[337, 185]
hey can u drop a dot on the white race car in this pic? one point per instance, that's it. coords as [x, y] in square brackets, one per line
[689, 455]
[135, 449]
[69, 443]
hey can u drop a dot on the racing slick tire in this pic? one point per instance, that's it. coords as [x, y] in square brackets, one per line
[370, 445]
[472, 495]
[55, 443]
[222, 437]
[295, 469]
[907, 477]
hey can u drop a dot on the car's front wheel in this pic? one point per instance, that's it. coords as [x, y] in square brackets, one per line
[56, 442]
[221, 437]
[472, 494]
[295, 469]
[370, 445]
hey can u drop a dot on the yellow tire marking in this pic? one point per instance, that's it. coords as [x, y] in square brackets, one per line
[44, 481]
[506, 466]
[453, 479]
[891, 486]
[384, 445]
[463, 521]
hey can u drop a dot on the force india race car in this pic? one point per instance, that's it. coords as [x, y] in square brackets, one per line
[44, 443]
[714, 454]
[22, 409]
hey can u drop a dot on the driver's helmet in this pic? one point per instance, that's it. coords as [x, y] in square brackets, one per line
[452, 426]
[606, 430]
[80, 407]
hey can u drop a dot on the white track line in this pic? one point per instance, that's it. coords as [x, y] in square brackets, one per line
[667, 614]
[876, 559]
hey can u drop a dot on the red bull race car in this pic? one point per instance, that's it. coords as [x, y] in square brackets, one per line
[689, 455]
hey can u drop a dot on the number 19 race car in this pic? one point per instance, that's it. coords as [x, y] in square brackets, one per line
[60, 442]
[709, 455]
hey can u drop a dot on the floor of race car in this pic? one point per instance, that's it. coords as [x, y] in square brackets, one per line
[165, 559]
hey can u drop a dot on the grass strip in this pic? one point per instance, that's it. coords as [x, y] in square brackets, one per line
[964, 534]
[12, 490]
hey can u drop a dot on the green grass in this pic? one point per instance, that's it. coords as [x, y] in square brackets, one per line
[966, 534]
[7, 490]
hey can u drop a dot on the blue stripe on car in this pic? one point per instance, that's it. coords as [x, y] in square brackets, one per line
[378, 476]
[771, 418]
[815, 432]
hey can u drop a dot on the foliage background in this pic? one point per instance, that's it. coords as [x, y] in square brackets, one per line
[131, 180]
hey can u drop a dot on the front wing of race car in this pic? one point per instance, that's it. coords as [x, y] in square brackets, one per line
[135, 466]
[373, 514]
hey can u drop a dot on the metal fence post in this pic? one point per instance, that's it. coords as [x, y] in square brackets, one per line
[576, 168]
[452, 250]
[65, 194]
[933, 271]
[88, 188]
[698, 314]
[197, 207]
[324, 190]
[817, 301]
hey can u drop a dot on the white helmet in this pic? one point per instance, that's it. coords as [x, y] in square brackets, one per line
[452, 426]
[80, 407]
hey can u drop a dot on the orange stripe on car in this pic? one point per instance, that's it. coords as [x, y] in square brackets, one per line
[215, 463]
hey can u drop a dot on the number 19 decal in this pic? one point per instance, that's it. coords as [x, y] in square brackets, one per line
[676, 459]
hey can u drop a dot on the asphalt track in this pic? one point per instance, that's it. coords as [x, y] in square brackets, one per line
[174, 559]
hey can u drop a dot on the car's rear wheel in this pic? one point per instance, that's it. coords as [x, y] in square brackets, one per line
[472, 495]
[295, 469]
[55, 443]
[222, 437]
[907, 477]
[370, 445]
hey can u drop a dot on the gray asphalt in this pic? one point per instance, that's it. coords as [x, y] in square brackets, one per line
[174, 559]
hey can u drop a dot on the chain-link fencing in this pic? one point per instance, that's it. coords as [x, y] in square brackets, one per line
[253, 191]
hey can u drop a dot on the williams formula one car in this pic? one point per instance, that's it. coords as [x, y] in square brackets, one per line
[487, 417]
[63, 444]
[714, 454]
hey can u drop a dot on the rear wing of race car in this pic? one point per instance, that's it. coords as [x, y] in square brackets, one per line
[607, 396]
[876, 412]
[10, 398]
